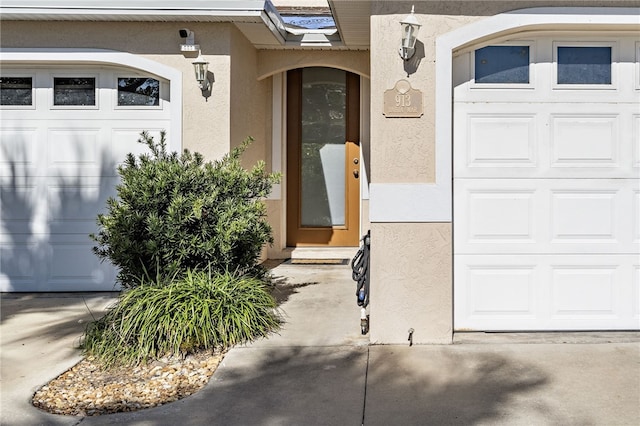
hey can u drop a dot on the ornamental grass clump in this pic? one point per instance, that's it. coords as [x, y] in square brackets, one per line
[201, 310]
[174, 212]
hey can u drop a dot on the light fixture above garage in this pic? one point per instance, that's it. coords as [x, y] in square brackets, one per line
[410, 28]
[201, 67]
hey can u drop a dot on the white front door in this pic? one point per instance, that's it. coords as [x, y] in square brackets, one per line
[546, 184]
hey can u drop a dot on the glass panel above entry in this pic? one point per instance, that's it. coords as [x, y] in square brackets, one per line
[16, 91]
[584, 65]
[502, 65]
[74, 91]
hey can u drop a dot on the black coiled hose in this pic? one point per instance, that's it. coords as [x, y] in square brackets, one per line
[360, 268]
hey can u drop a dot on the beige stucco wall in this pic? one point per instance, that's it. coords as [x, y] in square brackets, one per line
[250, 103]
[276, 214]
[411, 276]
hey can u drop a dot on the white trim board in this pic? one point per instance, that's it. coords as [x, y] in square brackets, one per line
[406, 202]
[278, 132]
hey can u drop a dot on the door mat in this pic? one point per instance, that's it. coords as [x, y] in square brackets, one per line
[318, 261]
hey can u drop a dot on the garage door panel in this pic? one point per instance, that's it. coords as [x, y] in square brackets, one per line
[546, 141]
[503, 140]
[19, 155]
[74, 206]
[594, 283]
[514, 283]
[74, 152]
[544, 292]
[635, 301]
[587, 140]
[21, 266]
[635, 137]
[501, 215]
[636, 216]
[124, 140]
[498, 144]
[545, 216]
[479, 279]
[73, 265]
[23, 209]
[56, 266]
[82, 152]
[585, 215]
[17, 204]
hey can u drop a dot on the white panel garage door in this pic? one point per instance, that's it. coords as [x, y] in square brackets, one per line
[64, 130]
[546, 184]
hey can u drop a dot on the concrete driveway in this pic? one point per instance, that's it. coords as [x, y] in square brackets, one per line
[320, 371]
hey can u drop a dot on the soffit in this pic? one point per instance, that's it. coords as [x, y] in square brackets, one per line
[353, 21]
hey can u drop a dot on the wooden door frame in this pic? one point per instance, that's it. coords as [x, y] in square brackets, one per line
[347, 235]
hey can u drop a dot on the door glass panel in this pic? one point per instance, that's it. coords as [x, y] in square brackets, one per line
[322, 187]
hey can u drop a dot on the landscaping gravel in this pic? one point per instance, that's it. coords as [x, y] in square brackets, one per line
[88, 390]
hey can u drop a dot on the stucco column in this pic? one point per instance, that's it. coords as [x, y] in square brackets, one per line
[411, 255]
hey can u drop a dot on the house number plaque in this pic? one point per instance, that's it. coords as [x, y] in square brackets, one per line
[402, 101]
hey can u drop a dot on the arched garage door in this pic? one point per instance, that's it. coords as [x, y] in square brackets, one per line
[546, 189]
[64, 131]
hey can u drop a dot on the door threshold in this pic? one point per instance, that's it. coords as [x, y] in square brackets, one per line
[321, 252]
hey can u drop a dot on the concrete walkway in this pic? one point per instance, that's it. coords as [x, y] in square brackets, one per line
[320, 371]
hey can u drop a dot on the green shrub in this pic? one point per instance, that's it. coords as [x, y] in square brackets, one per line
[175, 212]
[202, 310]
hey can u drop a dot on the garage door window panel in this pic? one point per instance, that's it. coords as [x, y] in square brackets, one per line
[138, 92]
[503, 65]
[584, 66]
[16, 91]
[74, 92]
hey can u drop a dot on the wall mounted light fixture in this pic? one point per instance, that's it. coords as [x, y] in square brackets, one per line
[200, 67]
[410, 28]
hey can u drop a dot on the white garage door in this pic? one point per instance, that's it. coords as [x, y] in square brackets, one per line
[546, 184]
[64, 131]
